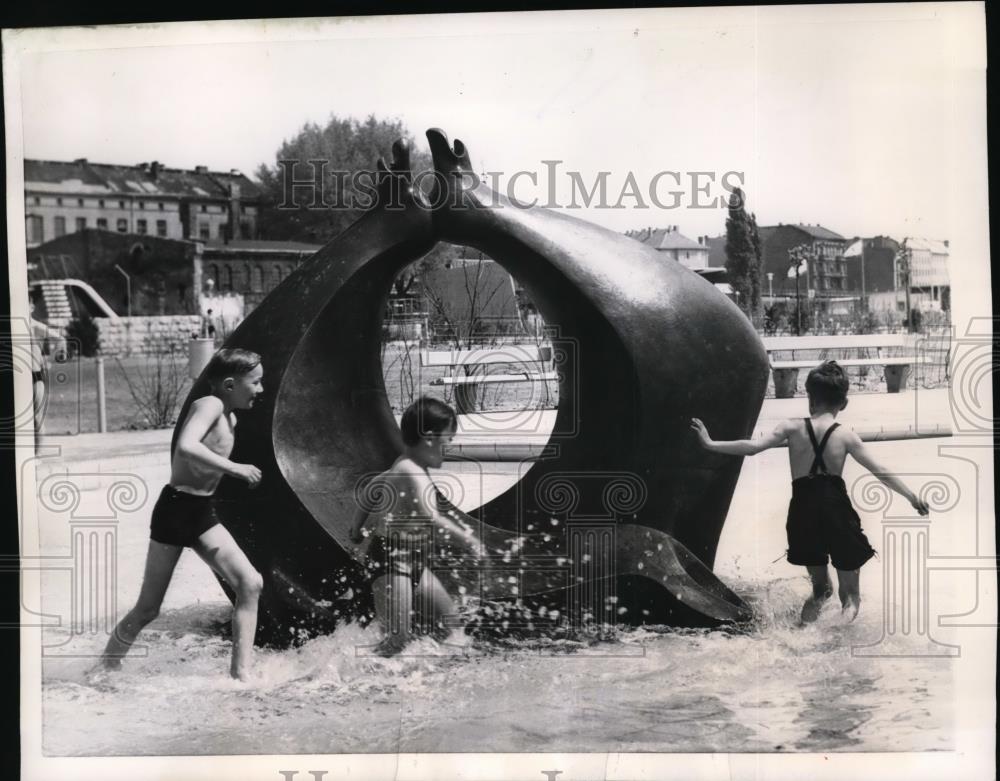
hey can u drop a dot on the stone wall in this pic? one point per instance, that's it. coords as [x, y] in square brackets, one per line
[146, 335]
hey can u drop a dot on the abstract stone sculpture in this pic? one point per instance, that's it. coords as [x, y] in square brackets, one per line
[620, 523]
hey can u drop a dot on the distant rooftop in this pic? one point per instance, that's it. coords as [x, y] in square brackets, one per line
[261, 245]
[664, 238]
[932, 245]
[816, 231]
[146, 179]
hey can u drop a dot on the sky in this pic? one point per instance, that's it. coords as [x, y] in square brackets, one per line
[844, 116]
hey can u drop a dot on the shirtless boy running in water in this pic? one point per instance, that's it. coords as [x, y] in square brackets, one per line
[184, 515]
[822, 525]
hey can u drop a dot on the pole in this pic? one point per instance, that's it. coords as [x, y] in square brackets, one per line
[128, 288]
[102, 412]
[798, 304]
[906, 273]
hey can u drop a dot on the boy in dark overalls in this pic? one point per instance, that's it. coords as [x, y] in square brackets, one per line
[822, 525]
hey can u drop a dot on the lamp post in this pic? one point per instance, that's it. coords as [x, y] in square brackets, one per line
[128, 288]
[796, 256]
[903, 263]
[770, 288]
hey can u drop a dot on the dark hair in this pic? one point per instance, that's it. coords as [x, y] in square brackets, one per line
[231, 362]
[426, 415]
[827, 384]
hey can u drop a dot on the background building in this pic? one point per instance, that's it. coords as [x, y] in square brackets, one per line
[674, 245]
[823, 277]
[148, 199]
[248, 268]
[871, 266]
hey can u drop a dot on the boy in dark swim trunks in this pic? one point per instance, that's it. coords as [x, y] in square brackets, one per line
[396, 556]
[184, 515]
[821, 521]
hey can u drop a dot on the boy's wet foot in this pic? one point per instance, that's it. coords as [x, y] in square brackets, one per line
[850, 609]
[812, 608]
[390, 646]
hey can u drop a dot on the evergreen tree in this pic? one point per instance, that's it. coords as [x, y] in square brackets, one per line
[743, 256]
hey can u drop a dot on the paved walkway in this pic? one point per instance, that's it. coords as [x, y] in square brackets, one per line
[902, 415]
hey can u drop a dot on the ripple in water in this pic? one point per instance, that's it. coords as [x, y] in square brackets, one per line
[770, 686]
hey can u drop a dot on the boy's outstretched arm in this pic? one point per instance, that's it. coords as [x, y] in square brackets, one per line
[740, 447]
[864, 457]
[204, 413]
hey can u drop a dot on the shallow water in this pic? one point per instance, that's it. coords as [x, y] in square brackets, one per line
[773, 687]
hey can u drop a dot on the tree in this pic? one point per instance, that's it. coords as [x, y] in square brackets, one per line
[743, 257]
[340, 158]
[345, 152]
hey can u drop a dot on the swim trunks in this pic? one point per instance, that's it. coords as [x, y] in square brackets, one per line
[401, 553]
[180, 518]
[822, 524]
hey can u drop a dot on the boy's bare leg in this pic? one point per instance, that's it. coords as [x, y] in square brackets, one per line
[220, 551]
[822, 591]
[393, 596]
[160, 562]
[434, 604]
[849, 591]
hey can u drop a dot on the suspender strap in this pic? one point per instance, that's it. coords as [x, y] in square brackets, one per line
[818, 467]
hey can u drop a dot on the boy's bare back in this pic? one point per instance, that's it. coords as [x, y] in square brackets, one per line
[800, 448]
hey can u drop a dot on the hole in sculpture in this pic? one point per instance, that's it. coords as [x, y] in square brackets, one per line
[456, 303]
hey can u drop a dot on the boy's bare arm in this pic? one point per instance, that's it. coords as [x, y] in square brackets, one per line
[864, 457]
[740, 447]
[205, 412]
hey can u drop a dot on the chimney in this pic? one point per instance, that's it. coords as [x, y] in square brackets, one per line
[80, 161]
[154, 169]
[945, 242]
[201, 169]
[143, 166]
[235, 172]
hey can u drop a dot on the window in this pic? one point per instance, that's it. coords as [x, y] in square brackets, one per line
[35, 226]
[160, 204]
[213, 274]
[122, 225]
[58, 201]
[101, 203]
[102, 223]
[140, 227]
[142, 204]
[161, 227]
[81, 223]
[278, 274]
[257, 280]
[79, 201]
[229, 277]
[222, 230]
[121, 204]
[204, 208]
[60, 226]
[203, 231]
[38, 201]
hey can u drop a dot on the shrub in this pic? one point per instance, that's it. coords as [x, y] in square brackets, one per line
[82, 334]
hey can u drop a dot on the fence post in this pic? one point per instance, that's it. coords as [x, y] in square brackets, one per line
[102, 412]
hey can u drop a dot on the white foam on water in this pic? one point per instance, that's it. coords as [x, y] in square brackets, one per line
[773, 687]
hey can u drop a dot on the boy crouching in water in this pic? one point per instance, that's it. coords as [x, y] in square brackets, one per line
[821, 521]
[396, 556]
[184, 515]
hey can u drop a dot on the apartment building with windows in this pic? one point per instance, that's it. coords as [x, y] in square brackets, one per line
[147, 199]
